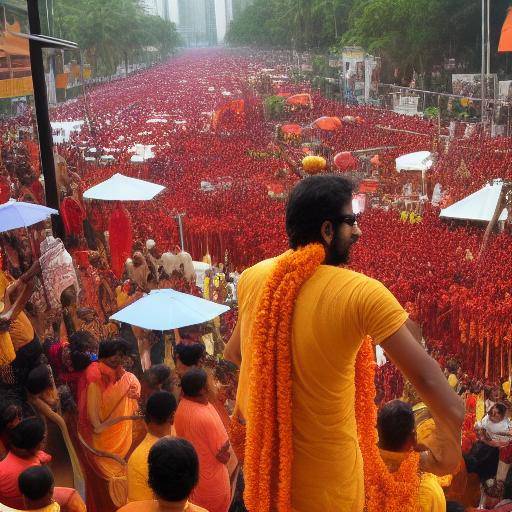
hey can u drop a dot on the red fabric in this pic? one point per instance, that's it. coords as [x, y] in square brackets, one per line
[5, 190]
[73, 216]
[120, 239]
[38, 191]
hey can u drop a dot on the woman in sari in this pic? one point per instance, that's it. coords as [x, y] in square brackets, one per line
[107, 402]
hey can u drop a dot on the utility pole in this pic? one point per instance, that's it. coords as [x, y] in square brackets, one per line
[483, 67]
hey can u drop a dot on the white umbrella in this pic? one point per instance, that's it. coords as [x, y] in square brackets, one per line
[123, 188]
[163, 310]
[479, 206]
[14, 214]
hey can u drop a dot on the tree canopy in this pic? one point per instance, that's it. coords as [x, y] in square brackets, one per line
[415, 34]
[111, 31]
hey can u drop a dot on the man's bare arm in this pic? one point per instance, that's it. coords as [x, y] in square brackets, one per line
[444, 404]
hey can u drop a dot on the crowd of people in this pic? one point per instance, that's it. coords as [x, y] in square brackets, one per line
[112, 394]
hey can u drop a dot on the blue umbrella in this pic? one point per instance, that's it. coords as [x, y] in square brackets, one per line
[16, 214]
[163, 310]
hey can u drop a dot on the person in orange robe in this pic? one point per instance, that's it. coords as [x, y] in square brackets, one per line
[107, 401]
[197, 421]
[173, 474]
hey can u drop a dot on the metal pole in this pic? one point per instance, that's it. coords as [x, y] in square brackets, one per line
[482, 73]
[44, 128]
[488, 37]
[180, 225]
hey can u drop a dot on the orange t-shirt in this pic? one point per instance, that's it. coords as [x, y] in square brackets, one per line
[200, 424]
[335, 309]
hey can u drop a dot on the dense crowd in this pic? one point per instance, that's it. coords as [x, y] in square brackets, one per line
[112, 393]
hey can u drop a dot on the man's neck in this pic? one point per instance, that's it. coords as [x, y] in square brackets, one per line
[198, 399]
[159, 430]
[38, 504]
[172, 506]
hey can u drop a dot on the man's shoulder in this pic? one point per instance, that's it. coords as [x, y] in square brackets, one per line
[194, 508]
[262, 267]
[347, 278]
[136, 506]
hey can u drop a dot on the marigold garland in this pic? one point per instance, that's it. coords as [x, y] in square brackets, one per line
[269, 421]
[392, 492]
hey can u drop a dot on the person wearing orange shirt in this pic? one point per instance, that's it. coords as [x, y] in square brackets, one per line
[25, 442]
[159, 416]
[330, 312]
[197, 421]
[173, 475]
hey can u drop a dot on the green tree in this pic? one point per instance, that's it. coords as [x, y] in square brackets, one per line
[112, 31]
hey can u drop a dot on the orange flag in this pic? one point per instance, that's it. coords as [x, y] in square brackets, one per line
[506, 34]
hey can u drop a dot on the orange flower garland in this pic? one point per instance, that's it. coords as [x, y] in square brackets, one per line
[269, 421]
[392, 492]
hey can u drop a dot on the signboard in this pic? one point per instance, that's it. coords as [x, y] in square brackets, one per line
[15, 87]
[369, 186]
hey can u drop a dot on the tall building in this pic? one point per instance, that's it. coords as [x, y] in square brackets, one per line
[204, 22]
[166, 9]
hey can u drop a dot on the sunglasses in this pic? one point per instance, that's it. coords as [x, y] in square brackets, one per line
[349, 219]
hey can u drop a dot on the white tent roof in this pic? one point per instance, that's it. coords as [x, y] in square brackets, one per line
[478, 206]
[123, 188]
[419, 161]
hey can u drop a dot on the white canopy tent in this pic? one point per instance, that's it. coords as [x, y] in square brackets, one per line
[479, 206]
[420, 161]
[123, 188]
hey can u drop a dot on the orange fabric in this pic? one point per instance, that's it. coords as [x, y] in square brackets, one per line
[152, 506]
[303, 99]
[334, 310]
[505, 44]
[69, 500]
[329, 124]
[293, 129]
[106, 392]
[201, 425]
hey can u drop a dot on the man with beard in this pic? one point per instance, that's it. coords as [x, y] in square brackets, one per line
[316, 314]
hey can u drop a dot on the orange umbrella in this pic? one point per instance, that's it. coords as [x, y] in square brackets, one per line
[303, 99]
[345, 161]
[291, 129]
[329, 124]
[506, 34]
